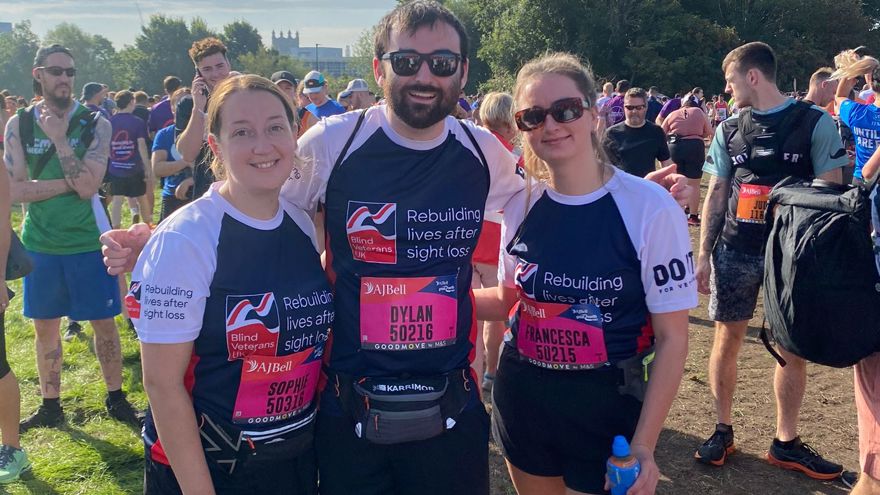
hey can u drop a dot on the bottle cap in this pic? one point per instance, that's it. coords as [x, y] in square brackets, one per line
[620, 447]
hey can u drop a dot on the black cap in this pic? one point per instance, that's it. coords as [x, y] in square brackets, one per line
[283, 75]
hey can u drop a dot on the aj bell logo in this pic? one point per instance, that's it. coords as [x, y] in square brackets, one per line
[267, 368]
[384, 289]
[524, 277]
[372, 231]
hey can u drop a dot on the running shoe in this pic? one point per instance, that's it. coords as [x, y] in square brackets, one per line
[74, 330]
[715, 450]
[13, 463]
[849, 479]
[693, 220]
[45, 417]
[801, 457]
[123, 411]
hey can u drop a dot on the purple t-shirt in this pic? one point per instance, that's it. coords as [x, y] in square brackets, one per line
[125, 159]
[614, 111]
[670, 106]
[160, 116]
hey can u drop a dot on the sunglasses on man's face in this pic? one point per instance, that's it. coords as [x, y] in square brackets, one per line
[634, 107]
[57, 71]
[442, 63]
[562, 111]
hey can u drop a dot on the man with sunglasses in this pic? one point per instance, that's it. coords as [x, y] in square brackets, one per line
[315, 88]
[404, 187]
[636, 144]
[57, 164]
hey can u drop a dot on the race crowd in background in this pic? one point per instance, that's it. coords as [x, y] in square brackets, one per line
[330, 287]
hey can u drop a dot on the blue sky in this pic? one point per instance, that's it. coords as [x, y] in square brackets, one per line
[328, 22]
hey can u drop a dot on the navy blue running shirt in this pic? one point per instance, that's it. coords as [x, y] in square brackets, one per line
[252, 297]
[402, 219]
[594, 267]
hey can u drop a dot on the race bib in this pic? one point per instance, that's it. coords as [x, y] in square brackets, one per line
[752, 203]
[412, 313]
[275, 388]
[561, 336]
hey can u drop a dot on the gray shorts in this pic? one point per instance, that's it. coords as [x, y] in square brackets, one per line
[734, 283]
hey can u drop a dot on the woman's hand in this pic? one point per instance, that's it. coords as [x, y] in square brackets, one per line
[649, 473]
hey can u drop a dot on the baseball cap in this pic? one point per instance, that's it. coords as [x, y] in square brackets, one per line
[90, 90]
[283, 75]
[357, 85]
[343, 94]
[314, 81]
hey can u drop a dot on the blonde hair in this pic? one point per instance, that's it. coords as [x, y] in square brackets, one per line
[496, 111]
[567, 65]
[849, 64]
[238, 84]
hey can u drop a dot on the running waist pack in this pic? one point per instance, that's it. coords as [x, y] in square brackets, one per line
[229, 448]
[390, 411]
[821, 285]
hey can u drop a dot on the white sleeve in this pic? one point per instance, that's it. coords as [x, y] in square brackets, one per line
[503, 179]
[514, 215]
[170, 285]
[668, 261]
[307, 183]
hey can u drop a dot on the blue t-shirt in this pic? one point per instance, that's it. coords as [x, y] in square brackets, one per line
[164, 141]
[329, 108]
[864, 121]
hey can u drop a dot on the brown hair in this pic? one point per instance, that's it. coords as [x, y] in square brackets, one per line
[170, 84]
[205, 48]
[637, 93]
[177, 95]
[123, 98]
[141, 97]
[822, 74]
[232, 85]
[567, 65]
[754, 55]
[411, 16]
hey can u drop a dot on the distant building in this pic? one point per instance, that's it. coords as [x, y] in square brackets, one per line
[325, 59]
[5, 27]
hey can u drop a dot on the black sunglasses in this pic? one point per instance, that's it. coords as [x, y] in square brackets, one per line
[57, 71]
[634, 107]
[562, 111]
[407, 62]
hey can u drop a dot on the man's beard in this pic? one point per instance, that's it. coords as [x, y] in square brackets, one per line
[59, 102]
[422, 116]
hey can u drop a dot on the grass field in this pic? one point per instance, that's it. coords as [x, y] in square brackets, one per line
[93, 454]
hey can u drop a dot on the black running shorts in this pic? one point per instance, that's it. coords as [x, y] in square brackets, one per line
[560, 423]
[290, 476]
[689, 155]
[456, 462]
[130, 187]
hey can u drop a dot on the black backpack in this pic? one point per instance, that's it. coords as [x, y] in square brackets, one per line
[821, 283]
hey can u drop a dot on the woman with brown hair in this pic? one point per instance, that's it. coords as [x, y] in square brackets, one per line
[232, 309]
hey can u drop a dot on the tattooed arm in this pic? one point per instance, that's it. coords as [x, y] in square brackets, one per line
[714, 208]
[85, 176]
[21, 189]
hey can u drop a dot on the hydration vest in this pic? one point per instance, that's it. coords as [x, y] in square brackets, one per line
[762, 155]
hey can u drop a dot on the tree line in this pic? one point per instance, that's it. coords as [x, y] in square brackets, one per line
[672, 44]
